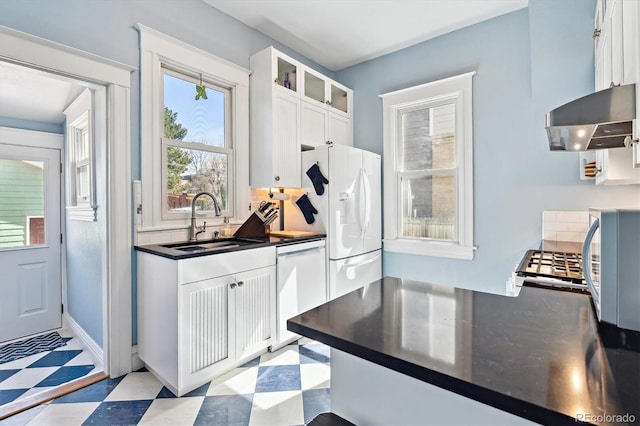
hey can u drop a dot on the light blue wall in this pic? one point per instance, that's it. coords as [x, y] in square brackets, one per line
[527, 63]
[38, 126]
[106, 28]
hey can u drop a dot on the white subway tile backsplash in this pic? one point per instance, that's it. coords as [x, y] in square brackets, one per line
[564, 225]
[569, 236]
[577, 227]
[555, 226]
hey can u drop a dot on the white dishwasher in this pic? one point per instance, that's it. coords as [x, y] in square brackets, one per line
[301, 284]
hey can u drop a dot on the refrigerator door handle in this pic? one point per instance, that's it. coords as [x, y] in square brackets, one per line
[363, 203]
[367, 186]
[362, 262]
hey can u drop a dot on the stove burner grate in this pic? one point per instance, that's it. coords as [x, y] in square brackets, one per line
[552, 264]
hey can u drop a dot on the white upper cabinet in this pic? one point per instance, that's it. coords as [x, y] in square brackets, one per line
[326, 111]
[293, 107]
[274, 103]
[617, 61]
[320, 89]
[319, 126]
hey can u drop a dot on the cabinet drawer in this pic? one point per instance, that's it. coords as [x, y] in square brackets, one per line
[217, 265]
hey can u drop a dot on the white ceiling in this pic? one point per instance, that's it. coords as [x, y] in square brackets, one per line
[340, 33]
[28, 94]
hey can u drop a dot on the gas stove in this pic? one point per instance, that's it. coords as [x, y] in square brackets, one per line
[557, 269]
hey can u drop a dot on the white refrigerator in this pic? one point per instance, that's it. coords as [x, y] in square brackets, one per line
[349, 213]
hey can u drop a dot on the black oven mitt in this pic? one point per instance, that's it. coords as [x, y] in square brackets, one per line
[317, 178]
[307, 208]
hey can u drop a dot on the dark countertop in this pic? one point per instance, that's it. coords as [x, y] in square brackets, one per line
[256, 242]
[542, 355]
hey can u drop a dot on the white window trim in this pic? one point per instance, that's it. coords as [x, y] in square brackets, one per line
[392, 102]
[158, 49]
[79, 116]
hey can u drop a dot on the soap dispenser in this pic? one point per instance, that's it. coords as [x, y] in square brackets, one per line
[226, 228]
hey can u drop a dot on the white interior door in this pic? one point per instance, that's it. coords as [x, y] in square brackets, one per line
[30, 289]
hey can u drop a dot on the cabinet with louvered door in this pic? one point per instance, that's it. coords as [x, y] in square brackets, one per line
[199, 317]
[225, 320]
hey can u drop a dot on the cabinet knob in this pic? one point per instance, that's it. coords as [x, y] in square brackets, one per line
[328, 102]
[329, 142]
[232, 285]
[277, 178]
[240, 283]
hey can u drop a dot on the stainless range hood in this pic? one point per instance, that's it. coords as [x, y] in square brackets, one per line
[600, 120]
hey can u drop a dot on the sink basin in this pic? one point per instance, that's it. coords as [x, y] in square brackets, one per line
[208, 246]
[211, 245]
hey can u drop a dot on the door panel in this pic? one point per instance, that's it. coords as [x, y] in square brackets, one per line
[313, 128]
[344, 203]
[340, 130]
[286, 148]
[373, 233]
[31, 295]
[346, 275]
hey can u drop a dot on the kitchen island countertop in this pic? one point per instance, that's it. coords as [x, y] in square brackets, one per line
[541, 356]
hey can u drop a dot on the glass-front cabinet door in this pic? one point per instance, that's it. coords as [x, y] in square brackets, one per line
[286, 73]
[314, 86]
[339, 98]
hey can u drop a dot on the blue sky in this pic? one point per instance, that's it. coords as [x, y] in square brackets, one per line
[204, 118]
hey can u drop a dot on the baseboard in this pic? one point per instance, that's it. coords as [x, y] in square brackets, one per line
[136, 362]
[96, 351]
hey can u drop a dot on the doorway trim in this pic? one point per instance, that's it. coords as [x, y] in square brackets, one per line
[49, 56]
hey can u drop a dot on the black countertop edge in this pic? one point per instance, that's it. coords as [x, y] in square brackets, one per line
[615, 337]
[173, 254]
[486, 396]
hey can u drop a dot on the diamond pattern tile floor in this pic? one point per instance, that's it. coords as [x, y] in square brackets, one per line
[35, 373]
[287, 387]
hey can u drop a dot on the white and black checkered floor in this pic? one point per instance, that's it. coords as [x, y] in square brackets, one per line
[45, 370]
[287, 387]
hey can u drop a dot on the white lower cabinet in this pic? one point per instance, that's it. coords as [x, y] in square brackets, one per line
[224, 320]
[189, 332]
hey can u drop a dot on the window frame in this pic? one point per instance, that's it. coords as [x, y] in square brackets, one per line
[79, 117]
[460, 89]
[159, 51]
[196, 146]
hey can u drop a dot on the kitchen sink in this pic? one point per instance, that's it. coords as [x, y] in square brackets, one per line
[220, 245]
[211, 245]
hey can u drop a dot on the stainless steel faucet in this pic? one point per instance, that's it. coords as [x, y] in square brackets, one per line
[216, 209]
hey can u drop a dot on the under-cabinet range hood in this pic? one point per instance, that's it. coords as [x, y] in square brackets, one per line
[600, 120]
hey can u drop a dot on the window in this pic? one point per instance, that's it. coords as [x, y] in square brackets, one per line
[81, 203]
[428, 186]
[196, 144]
[190, 145]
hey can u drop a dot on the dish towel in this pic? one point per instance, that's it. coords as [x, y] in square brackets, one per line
[317, 178]
[307, 208]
